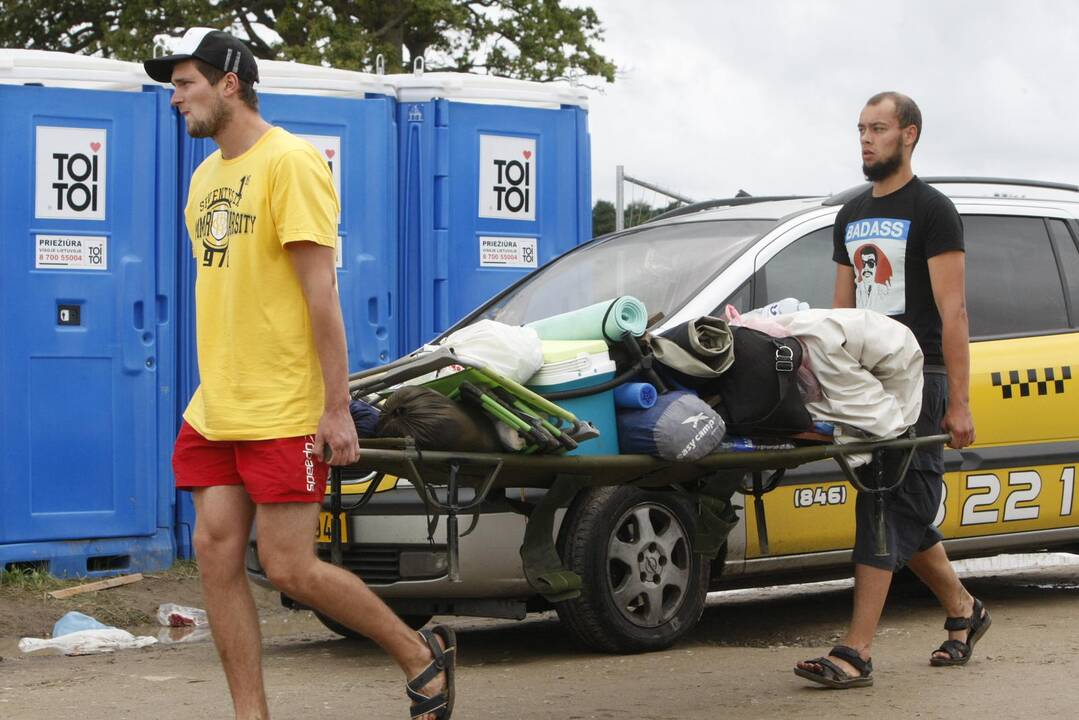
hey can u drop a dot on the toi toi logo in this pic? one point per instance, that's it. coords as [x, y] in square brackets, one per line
[76, 183]
[513, 187]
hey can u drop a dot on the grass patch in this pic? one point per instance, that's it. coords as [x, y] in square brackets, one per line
[183, 569]
[27, 587]
[36, 580]
[33, 580]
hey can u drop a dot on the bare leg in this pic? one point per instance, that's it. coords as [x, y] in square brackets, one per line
[286, 539]
[933, 568]
[870, 592]
[222, 526]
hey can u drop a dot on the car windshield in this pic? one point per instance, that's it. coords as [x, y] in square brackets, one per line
[664, 267]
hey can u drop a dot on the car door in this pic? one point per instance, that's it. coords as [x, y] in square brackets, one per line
[1016, 486]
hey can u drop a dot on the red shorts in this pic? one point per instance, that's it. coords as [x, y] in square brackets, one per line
[272, 471]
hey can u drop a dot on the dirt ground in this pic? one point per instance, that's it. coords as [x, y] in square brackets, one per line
[736, 663]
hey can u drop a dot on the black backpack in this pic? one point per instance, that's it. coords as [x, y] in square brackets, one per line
[758, 391]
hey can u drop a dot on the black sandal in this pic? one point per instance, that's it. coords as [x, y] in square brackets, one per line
[444, 660]
[959, 652]
[833, 676]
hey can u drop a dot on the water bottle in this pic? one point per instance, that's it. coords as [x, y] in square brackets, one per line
[739, 444]
[744, 444]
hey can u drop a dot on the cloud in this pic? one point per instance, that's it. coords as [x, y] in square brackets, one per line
[764, 96]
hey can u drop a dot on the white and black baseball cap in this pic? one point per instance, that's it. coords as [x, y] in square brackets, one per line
[215, 47]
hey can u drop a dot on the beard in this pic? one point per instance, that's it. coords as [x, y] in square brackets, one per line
[220, 114]
[884, 168]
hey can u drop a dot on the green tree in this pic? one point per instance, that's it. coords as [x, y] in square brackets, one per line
[602, 218]
[633, 214]
[532, 39]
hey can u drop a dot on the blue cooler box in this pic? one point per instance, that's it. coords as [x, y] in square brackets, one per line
[573, 364]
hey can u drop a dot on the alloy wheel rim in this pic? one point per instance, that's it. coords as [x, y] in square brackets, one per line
[648, 565]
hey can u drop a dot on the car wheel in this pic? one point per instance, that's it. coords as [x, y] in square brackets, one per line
[413, 621]
[643, 584]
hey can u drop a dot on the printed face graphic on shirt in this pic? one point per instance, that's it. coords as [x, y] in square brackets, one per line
[877, 248]
[220, 221]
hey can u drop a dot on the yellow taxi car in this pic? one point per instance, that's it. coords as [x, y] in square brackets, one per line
[1014, 490]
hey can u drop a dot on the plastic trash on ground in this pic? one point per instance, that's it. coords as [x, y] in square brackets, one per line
[87, 642]
[177, 635]
[173, 615]
[76, 622]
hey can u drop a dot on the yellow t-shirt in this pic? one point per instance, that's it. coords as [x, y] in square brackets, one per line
[261, 376]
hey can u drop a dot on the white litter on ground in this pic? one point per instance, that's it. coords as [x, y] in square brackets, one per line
[87, 642]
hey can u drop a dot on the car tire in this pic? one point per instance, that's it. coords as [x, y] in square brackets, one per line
[413, 621]
[643, 585]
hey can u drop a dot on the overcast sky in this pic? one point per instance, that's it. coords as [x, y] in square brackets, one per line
[765, 95]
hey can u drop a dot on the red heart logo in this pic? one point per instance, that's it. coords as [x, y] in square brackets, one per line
[527, 154]
[95, 146]
[330, 154]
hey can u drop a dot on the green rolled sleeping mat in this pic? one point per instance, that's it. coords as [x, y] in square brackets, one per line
[607, 320]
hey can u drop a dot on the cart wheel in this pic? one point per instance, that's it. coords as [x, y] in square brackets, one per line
[413, 621]
[644, 586]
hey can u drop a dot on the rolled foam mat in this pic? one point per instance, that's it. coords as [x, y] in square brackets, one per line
[606, 320]
[635, 395]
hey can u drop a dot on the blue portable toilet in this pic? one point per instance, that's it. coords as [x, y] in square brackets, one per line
[350, 118]
[495, 180]
[88, 181]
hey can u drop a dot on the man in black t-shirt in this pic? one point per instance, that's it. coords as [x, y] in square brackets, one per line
[898, 249]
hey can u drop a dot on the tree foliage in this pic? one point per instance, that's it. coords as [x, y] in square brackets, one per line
[532, 39]
[602, 218]
[633, 214]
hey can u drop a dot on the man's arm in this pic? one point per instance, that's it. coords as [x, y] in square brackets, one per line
[844, 286]
[947, 273]
[314, 265]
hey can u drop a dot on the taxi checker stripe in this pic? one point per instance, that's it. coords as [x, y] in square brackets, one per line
[1049, 377]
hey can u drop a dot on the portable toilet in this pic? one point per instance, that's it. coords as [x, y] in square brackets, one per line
[88, 220]
[495, 181]
[350, 118]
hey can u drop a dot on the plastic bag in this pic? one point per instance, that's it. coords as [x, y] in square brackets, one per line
[75, 622]
[513, 352]
[173, 615]
[88, 642]
[177, 635]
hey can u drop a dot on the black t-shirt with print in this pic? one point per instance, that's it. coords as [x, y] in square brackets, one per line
[888, 241]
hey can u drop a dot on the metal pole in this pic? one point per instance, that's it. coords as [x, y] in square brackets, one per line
[619, 220]
[654, 188]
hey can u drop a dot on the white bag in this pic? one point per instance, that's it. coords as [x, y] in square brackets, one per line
[511, 351]
[88, 642]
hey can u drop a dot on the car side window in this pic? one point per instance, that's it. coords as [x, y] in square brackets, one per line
[741, 299]
[1013, 282]
[804, 270]
[1068, 253]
